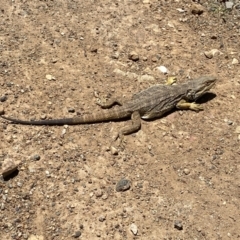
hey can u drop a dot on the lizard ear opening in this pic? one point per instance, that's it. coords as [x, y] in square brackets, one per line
[190, 95]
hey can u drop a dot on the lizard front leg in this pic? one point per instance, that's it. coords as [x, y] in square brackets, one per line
[134, 126]
[184, 105]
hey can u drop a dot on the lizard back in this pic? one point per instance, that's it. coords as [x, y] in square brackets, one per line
[157, 99]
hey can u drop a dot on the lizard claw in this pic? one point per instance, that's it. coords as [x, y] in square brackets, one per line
[195, 107]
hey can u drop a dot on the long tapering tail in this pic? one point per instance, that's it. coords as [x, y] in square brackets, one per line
[112, 114]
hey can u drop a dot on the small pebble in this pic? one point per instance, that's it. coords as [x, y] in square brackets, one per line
[197, 9]
[229, 4]
[146, 78]
[43, 117]
[47, 173]
[229, 122]
[162, 69]
[31, 169]
[119, 72]
[235, 61]
[186, 171]
[19, 184]
[115, 55]
[3, 98]
[8, 167]
[50, 77]
[114, 151]
[154, 59]
[105, 197]
[102, 218]
[64, 131]
[134, 229]
[123, 185]
[133, 56]
[132, 75]
[99, 193]
[214, 37]
[54, 60]
[237, 130]
[94, 50]
[36, 157]
[71, 110]
[77, 234]
[178, 225]
[181, 10]
[210, 54]
[2, 206]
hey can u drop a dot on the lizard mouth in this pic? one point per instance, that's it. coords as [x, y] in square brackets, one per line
[209, 86]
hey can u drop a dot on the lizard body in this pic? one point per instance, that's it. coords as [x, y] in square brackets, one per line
[148, 104]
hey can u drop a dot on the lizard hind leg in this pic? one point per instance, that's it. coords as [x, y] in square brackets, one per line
[134, 126]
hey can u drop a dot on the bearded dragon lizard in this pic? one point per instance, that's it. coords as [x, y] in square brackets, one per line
[148, 104]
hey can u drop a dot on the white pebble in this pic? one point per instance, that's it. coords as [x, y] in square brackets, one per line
[237, 130]
[50, 77]
[181, 10]
[210, 54]
[162, 69]
[133, 229]
[235, 61]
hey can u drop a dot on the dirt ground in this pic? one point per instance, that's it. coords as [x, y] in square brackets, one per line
[56, 57]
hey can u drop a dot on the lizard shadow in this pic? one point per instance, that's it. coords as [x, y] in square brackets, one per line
[11, 175]
[206, 98]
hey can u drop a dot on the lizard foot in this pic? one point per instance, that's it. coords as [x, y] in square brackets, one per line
[195, 107]
[108, 103]
[183, 105]
[171, 81]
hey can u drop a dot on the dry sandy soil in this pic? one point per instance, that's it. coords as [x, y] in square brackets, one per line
[56, 57]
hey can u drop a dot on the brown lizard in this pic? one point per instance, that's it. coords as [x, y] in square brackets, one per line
[148, 104]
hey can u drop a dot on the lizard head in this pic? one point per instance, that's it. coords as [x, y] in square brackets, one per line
[199, 87]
